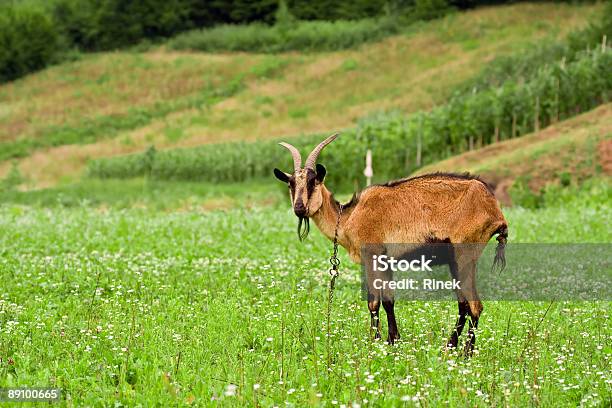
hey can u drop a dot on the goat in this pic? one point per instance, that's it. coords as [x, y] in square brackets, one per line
[439, 207]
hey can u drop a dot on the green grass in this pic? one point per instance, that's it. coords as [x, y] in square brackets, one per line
[146, 194]
[139, 306]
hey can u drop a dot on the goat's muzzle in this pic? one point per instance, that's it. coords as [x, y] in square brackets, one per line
[300, 210]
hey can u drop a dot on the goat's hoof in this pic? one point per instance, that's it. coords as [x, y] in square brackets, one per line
[377, 336]
[393, 338]
[448, 348]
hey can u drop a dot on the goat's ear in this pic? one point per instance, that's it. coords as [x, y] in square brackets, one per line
[281, 175]
[321, 171]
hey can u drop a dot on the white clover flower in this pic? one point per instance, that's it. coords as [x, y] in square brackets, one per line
[230, 390]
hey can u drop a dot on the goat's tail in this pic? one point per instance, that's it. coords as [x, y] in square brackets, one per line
[500, 252]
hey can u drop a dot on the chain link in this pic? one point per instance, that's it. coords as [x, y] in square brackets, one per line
[333, 260]
[333, 271]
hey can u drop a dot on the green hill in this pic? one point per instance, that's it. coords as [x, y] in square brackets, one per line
[116, 103]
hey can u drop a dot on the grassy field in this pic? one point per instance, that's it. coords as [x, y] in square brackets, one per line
[112, 103]
[148, 292]
[140, 305]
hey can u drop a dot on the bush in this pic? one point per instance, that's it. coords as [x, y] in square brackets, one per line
[430, 9]
[28, 41]
[95, 25]
[562, 90]
[303, 35]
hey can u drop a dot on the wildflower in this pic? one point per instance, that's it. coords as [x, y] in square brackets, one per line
[230, 390]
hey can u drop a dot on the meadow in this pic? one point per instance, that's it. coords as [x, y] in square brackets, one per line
[158, 303]
[148, 257]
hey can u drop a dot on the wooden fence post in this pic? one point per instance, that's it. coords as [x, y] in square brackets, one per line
[557, 90]
[368, 169]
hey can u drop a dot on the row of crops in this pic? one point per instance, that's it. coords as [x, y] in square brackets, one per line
[400, 143]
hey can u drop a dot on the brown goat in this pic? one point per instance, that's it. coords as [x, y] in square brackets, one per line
[439, 207]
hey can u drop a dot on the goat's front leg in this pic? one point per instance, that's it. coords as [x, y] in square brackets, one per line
[374, 292]
[469, 302]
[374, 306]
[389, 304]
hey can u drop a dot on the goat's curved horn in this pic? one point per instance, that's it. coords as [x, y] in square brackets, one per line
[312, 157]
[297, 159]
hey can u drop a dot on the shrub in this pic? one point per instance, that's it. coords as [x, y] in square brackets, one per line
[303, 35]
[28, 41]
[108, 24]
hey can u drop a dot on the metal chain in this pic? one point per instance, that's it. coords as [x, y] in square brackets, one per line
[333, 260]
[333, 271]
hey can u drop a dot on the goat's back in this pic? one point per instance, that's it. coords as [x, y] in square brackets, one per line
[455, 208]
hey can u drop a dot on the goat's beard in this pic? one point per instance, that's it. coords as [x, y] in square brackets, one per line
[303, 232]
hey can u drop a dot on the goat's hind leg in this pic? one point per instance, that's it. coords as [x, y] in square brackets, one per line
[467, 276]
[453, 340]
[475, 309]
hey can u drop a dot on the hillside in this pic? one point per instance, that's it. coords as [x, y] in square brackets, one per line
[114, 103]
[580, 147]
